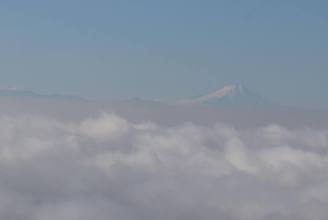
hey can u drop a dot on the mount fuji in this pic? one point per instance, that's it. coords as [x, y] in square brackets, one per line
[235, 95]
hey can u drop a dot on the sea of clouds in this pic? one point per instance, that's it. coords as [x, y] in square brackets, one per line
[110, 168]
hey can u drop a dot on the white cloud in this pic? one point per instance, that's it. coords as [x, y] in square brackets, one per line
[111, 168]
[108, 126]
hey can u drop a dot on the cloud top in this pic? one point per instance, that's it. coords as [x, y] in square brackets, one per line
[111, 168]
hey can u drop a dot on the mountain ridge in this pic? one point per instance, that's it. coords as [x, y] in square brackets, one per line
[21, 93]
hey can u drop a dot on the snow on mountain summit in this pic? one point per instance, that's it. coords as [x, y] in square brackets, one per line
[235, 94]
[229, 90]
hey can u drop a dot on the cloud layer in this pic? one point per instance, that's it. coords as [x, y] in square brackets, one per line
[110, 168]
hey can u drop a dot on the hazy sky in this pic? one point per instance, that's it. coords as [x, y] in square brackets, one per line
[166, 49]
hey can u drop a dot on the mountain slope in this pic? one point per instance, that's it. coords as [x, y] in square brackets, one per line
[230, 95]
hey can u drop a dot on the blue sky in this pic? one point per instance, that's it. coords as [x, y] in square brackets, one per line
[166, 49]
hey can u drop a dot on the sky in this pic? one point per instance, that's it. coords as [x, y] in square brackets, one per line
[110, 49]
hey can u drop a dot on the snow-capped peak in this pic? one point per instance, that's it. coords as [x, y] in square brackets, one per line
[228, 90]
[235, 94]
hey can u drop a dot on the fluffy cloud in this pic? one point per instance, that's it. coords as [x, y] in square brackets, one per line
[111, 168]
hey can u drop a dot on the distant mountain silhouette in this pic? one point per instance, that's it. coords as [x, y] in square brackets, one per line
[16, 93]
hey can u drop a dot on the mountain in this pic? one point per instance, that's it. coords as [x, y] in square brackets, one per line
[229, 96]
[233, 104]
[26, 94]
